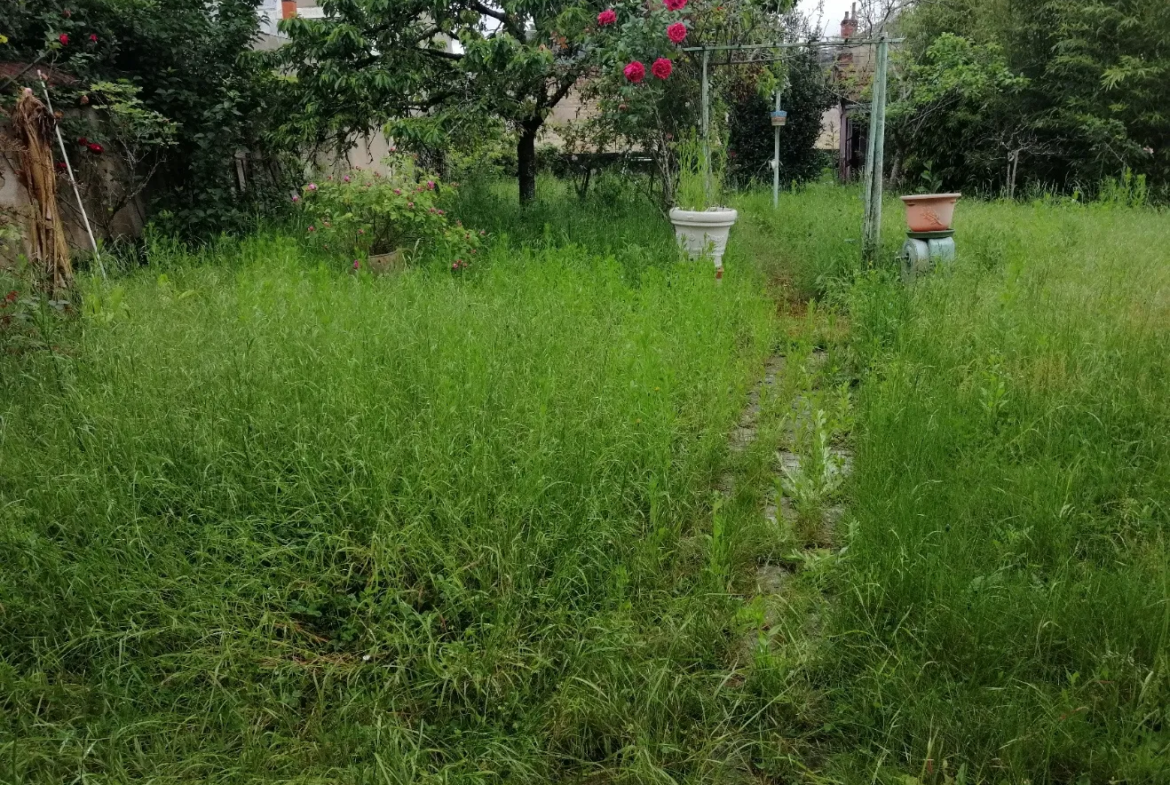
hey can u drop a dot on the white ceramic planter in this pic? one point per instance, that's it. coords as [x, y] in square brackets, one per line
[704, 231]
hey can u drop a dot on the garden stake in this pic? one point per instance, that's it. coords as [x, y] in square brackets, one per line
[72, 180]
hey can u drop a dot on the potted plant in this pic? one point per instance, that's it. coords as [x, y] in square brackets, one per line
[701, 225]
[930, 212]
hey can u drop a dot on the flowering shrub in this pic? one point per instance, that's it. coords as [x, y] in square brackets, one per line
[640, 32]
[363, 214]
[647, 87]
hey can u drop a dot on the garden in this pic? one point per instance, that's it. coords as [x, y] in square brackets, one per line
[459, 469]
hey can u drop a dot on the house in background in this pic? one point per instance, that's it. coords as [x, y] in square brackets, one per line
[845, 127]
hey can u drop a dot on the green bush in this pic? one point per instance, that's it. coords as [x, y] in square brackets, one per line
[362, 213]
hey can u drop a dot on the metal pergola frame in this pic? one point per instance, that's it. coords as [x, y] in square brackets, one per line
[875, 156]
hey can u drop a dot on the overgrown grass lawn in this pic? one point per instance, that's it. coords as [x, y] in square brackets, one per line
[266, 521]
[1006, 592]
[263, 521]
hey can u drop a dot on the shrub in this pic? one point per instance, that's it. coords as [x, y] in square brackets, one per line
[363, 214]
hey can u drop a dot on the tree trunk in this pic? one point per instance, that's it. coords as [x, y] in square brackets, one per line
[526, 160]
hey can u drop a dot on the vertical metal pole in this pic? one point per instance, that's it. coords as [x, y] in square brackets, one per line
[875, 161]
[706, 123]
[776, 160]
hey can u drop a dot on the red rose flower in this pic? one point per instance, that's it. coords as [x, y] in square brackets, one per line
[95, 148]
[60, 166]
[93, 38]
[64, 39]
[662, 68]
[677, 32]
[635, 72]
[675, 5]
[607, 17]
[81, 140]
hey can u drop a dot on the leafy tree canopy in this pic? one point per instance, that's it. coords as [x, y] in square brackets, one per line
[1095, 97]
[431, 69]
[191, 62]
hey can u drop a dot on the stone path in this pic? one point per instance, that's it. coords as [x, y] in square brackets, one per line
[773, 577]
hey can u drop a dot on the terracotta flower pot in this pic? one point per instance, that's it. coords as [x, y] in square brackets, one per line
[930, 212]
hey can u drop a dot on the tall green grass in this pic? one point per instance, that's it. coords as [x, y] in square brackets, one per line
[1005, 605]
[260, 521]
[263, 521]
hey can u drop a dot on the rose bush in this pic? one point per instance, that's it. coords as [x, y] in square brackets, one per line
[641, 31]
[636, 39]
[362, 214]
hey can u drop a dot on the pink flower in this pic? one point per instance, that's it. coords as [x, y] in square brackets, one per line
[440, 212]
[356, 264]
[64, 39]
[93, 38]
[662, 68]
[410, 205]
[430, 185]
[635, 72]
[312, 186]
[674, 5]
[296, 198]
[398, 192]
[677, 32]
[312, 228]
[361, 231]
[346, 178]
[607, 17]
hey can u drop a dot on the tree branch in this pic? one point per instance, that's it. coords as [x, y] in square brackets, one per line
[442, 53]
[561, 91]
[508, 22]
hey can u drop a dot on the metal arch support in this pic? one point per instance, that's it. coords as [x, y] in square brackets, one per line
[875, 160]
[776, 158]
[706, 122]
[871, 235]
